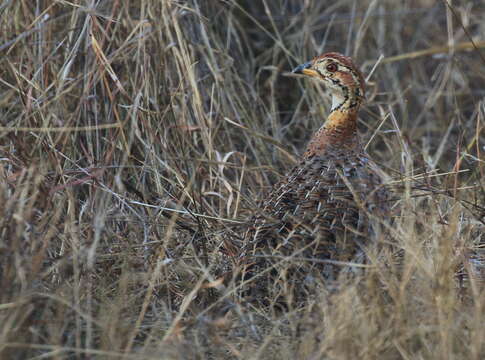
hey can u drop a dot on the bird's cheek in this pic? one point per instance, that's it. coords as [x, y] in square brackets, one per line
[346, 79]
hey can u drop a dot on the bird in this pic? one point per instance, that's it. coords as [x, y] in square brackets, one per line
[322, 213]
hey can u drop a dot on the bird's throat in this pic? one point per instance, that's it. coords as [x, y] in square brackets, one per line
[339, 131]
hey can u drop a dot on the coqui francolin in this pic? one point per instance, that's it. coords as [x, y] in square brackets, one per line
[320, 217]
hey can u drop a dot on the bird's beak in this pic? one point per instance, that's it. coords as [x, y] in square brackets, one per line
[305, 69]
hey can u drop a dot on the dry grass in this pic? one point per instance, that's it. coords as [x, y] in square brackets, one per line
[135, 136]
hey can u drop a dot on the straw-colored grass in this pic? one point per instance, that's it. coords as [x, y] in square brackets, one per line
[137, 137]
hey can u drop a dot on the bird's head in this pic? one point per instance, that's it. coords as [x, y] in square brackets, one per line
[338, 72]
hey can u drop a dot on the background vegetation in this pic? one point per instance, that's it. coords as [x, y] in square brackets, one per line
[138, 136]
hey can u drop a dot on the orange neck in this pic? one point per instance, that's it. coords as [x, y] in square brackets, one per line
[339, 131]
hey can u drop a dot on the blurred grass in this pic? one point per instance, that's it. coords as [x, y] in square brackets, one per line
[136, 137]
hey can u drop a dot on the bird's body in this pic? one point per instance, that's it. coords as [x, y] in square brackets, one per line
[322, 212]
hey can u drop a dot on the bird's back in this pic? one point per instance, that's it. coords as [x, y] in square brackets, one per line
[315, 219]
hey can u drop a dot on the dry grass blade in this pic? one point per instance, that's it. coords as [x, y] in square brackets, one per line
[435, 50]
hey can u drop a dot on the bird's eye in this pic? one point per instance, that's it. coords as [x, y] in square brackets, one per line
[332, 67]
